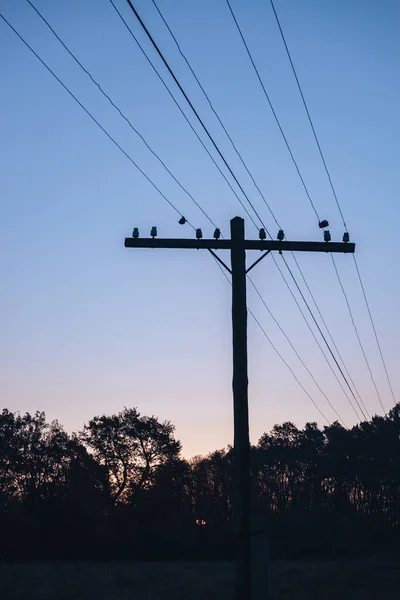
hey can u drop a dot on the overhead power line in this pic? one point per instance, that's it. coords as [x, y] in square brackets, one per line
[326, 342]
[123, 151]
[357, 334]
[308, 114]
[216, 113]
[116, 107]
[328, 331]
[182, 112]
[209, 135]
[280, 355]
[200, 120]
[212, 140]
[288, 366]
[335, 197]
[282, 132]
[293, 348]
[273, 110]
[112, 139]
[317, 342]
[93, 118]
[255, 183]
[374, 329]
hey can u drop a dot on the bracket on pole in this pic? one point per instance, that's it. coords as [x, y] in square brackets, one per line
[258, 260]
[221, 262]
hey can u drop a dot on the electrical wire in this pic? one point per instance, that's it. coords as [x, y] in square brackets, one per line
[280, 355]
[308, 114]
[182, 112]
[318, 343]
[326, 342]
[120, 112]
[285, 139]
[210, 137]
[212, 140]
[215, 112]
[328, 330]
[294, 349]
[108, 135]
[94, 119]
[273, 111]
[287, 365]
[337, 202]
[200, 120]
[250, 174]
[357, 334]
[373, 327]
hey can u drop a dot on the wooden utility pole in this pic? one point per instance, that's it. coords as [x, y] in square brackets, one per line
[241, 439]
[241, 445]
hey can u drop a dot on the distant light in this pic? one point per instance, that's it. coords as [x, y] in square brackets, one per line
[346, 237]
[323, 224]
[327, 235]
[199, 234]
[182, 221]
[153, 232]
[217, 233]
[200, 522]
[262, 233]
[281, 235]
[135, 233]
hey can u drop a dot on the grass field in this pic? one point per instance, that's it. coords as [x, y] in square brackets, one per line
[211, 581]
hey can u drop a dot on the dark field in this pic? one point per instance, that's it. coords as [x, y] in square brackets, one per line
[213, 581]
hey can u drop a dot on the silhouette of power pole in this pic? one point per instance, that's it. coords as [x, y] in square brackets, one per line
[241, 445]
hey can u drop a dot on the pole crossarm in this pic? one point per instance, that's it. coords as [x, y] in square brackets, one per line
[261, 245]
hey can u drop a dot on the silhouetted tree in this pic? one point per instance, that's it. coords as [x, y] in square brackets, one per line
[132, 448]
[120, 488]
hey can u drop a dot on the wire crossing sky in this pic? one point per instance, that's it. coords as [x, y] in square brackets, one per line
[88, 329]
[170, 71]
[175, 179]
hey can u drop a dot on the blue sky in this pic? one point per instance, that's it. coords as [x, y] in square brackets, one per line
[89, 327]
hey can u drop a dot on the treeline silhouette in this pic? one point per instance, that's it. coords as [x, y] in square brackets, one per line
[121, 489]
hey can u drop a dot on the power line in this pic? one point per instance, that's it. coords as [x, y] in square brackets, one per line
[326, 342]
[315, 338]
[357, 334]
[212, 140]
[131, 160]
[120, 112]
[287, 365]
[280, 127]
[93, 118]
[99, 125]
[273, 110]
[164, 60]
[255, 183]
[293, 348]
[328, 330]
[215, 112]
[229, 137]
[280, 355]
[308, 114]
[181, 111]
[335, 197]
[374, 329]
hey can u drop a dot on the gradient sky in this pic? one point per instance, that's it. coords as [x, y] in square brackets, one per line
[89, 327]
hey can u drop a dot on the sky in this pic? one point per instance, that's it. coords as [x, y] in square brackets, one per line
[87, 326]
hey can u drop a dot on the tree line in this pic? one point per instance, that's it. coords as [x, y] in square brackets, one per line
[120, 489]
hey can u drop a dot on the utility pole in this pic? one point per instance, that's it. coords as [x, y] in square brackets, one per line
[241, 438]
[241, 446]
